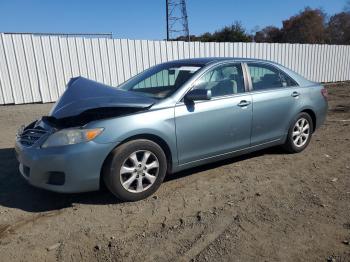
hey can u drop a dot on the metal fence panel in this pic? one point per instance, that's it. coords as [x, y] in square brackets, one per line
[58, 66]
[36, 68]
[347, 68]
[119, 60]
[22, 68]
[105, 61]
[41, 69]
[81, 54]
[180, 50]
[13, 69]
[73, 56]
[5, 79]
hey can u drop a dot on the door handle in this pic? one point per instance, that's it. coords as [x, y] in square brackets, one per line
[295, 94]
[244, 103]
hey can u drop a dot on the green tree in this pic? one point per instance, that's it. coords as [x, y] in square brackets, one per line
[206, 37]
[309, 26]
[234, 33]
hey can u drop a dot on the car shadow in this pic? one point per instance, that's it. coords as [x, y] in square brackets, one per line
[277, 150]
[16, 193]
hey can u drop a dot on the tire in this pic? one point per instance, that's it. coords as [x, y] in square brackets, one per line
[132, 162]
[293, 143]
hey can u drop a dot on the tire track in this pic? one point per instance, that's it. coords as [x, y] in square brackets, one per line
[12, 229]
[214, 232]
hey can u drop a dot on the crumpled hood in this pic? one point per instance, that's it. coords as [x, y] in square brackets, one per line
[83, 94]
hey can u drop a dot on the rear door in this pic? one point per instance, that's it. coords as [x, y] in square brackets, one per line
[209, 128]
[275, 98]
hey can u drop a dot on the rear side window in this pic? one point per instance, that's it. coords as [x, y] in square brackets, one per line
[223, 80]
[267, 77]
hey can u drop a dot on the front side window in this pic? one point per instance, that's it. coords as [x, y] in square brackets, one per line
[267, 77]
[162, 80]
[223, 80]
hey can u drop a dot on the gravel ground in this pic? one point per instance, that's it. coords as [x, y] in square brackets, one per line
[265, 206]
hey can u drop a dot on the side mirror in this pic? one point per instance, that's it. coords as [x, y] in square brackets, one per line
[198, 94]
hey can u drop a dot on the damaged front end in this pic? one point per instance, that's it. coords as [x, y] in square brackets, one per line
[85, 101]
[89, 116]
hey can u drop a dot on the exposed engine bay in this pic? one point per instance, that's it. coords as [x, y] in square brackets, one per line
[89, 116]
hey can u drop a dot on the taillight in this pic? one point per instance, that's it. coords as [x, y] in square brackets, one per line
[324, 93]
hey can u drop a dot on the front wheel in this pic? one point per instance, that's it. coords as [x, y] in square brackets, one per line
[299, 134]
[135, 170]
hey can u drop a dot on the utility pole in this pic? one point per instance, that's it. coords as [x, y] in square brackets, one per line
[176, 20]
[167, 20]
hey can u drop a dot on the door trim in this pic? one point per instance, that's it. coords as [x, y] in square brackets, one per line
[231, 152]
[180, 103]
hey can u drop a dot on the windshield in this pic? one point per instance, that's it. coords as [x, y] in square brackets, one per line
[162, 80]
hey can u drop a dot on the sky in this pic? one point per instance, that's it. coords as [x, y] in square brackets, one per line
[145, 19]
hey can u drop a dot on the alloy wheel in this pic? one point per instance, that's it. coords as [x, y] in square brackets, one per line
[139, 171]
[301, 132]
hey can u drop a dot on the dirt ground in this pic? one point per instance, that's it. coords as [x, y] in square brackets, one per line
[265, 206]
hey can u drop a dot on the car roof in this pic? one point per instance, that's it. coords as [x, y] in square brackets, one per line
[204, 61]
[209, 60]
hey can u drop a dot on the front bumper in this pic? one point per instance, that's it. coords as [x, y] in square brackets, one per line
[80, 164]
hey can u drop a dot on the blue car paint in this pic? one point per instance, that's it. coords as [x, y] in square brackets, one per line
[209, 131]
[81, 164]
[231, 130]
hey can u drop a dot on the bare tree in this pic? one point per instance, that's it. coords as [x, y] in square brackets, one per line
[269, 34]
[338, 29]
[306, 27]
[347, 7]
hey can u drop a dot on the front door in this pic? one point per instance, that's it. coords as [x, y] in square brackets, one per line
[221, 125]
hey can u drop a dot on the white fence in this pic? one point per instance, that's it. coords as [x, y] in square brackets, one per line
[37, 68]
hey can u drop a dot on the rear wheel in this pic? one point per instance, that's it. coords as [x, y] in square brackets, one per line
[135, 170]
[300, 133]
